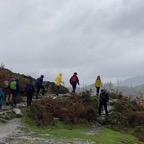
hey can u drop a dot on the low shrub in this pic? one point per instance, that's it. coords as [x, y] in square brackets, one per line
[139, 132]
[72, 110]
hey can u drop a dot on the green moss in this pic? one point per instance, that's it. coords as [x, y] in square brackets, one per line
[108, 136]
[62, 130]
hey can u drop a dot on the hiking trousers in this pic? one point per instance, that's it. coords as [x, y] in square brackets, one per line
[101, 104]
[57, 90]
[97, 90]
[14, 99]
[73, 86]
[38, 90]
[29, 98]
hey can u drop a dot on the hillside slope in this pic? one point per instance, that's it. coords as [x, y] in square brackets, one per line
[6, 74]
[134, 81]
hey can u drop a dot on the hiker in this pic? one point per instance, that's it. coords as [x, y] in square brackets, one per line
[1, 97]
[103, 101]
[98, 85]
[29, 92]
[74, 81]
[58, 82]
[8, 92]
[14, 86]
[39, 85]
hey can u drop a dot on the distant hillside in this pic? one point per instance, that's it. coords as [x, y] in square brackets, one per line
[134, 81]
[130, 87]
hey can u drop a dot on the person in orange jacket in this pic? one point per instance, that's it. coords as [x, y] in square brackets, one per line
[98, 85]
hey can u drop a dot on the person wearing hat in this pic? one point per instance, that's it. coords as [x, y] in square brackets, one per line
[74, 80]
[39, 85]
[103, 100]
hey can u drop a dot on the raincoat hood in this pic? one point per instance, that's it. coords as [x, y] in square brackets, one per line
[60, 74]
[58, 79]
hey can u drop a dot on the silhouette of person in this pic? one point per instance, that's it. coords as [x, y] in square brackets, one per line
[103, 100]
[29, 92]
[39, 85]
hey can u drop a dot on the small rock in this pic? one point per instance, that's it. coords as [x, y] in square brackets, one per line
[17, 111]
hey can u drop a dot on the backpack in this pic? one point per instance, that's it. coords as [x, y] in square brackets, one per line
[29, 87]
[13, 85]
[38, 81]
[73, 79]
[6, 84]
[103, 97]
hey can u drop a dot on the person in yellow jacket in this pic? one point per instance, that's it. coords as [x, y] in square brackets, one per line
[98, 85]
[58, 82]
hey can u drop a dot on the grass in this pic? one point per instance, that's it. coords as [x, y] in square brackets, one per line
[65, 131]
[108, 136]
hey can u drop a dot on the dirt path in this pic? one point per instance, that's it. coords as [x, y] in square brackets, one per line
[9, 128]
[11, 134]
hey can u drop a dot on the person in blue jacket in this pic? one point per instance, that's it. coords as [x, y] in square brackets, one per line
[39, 85]
[1, 97]
[29, 92]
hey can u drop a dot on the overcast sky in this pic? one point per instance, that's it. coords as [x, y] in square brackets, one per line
[90, 37]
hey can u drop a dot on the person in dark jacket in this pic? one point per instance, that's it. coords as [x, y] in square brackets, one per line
[39, 85]
[29, 92]
[74, 80]
[15, 94]
[103, 100]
